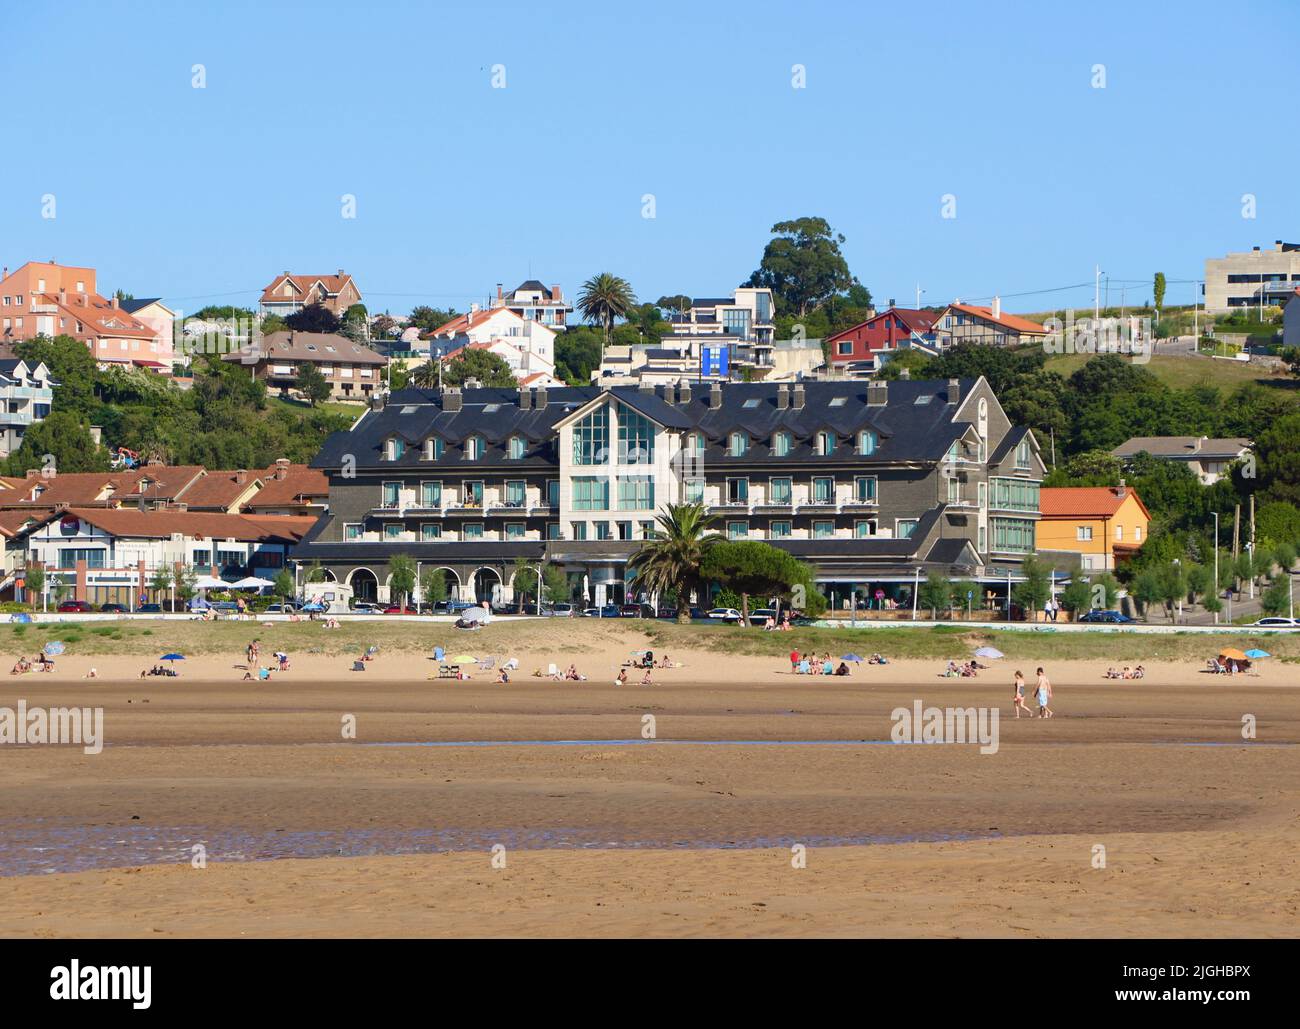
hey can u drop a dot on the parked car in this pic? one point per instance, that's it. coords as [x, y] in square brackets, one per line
[608, 611]
[562, 610]
[113, 609]
[762, 616]
[366, 607]
[631, 611]
[725, 614]
[1277, 622]
[75, 607]
[1109, 617]
[282, 609]
[149, 609]
[452, 607]
[397, 609]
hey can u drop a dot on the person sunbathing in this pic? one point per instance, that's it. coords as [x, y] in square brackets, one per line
[843, 669]
[645, 679]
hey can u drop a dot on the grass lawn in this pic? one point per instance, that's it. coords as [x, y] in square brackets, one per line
[353, 411]
[580, 636]
[1183, 371]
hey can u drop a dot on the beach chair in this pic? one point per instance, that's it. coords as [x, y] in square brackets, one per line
[446, 672]
[358, 666]
[552, 671]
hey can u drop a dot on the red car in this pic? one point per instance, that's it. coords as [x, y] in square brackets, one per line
[397, 609]
[80, 607]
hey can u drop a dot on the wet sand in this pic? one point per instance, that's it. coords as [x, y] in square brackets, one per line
[687, 834]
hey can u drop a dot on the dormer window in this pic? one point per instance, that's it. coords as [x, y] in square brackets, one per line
[738, 445]
[433, 448]
[1022, 454]
[867, 443]
[518, 448]
[394, 448]
[825, 443]
[781, 444]
[475, 448]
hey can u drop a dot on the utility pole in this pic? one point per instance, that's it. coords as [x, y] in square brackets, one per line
[1096, 300]
[1216, 562]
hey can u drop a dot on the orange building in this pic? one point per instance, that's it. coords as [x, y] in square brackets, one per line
[1102, 524]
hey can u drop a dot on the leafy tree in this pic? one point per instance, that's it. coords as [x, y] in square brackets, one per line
[1158, 290]
[488, 368]
[1077, 596]
[284, 585]
[398, 375]
[71, 365]
[1109, 593]
[1276, 600]
[186, 583]
[605, 298]
[312, 318]
[1147, 591]
[935, 593]
[434, 584]
[315, 572]
[679, 303]
[401, 578]
[1198, 581]
[959, 595]
[159, 583]
[429, 319]
[674, 554]
[34, 584]
[312, 384]
[577, 354]
[1277, 522]
[754, 568]
[1032, 593]
[63, 437]
[425, 375]
[803, 264]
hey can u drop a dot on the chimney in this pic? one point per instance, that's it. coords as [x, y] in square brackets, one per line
[1277, 245]
[715, 396]
[539, 398]
[646, 388]
[451, 400]
[377, 401]
[1121, 490]
[5, 273]
[340, 275]
[473, 308]
[556, 293]
[877, 393]
[905, 373]
[684, 392]
[782, 397]
[113, 302]
[670, 393]
[954, 391]
[525, 399]
[241, 476]
[997, 307]
[499, 294]
[281, 468]
[35, 473]
[796, 396]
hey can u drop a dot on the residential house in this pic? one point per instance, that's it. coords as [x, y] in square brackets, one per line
[719, 334]
[987, 326]
[288, 293]
[1207, 458]
[533, 302]
[527, 345]
[26, 395]
[1291, 320]
[1102, 524]
[860, 349]
[290, 489]
[48, 299]
[871, 482]
[352, 370]
[1254, 278]
[162, 319]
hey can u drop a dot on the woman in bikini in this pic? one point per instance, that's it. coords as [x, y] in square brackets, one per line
[1018, 700]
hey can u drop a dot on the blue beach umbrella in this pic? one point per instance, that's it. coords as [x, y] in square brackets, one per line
[54, 648]
[22, 618]
[851, 657]
[172, 657]
[1256, 654]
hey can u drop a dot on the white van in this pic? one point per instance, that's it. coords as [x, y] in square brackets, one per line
[334, 597]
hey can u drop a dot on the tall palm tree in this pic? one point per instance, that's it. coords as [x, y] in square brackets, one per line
[671, 558]
[426, 376]
[604, 298]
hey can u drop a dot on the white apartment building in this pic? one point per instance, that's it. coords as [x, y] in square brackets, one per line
[528, 346]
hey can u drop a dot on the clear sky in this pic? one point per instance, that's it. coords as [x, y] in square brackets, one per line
[204, 195]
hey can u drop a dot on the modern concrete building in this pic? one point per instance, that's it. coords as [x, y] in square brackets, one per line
[534, 302]
[1254, 278]
[873, 483]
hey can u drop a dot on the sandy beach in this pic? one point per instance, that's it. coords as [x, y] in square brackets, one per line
[340, 803]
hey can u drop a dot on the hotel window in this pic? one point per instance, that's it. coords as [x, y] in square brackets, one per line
[982, 492]
[823, 490]
[737, 491]
[1083, 533]
[781, 444]
[602, 531]
[983, 538]
[392, 492]
[430, 531]
[867, 443]
[624, 530]
[590, 494]
[647, 530]
[471, 493]
[781, 490]
[823, 530]
[1022, 454]
[826, 443]
[695, 491]
[636, 493]
[515, 492]
[591, 438]
[864, 489]
[553, 492]
[864, 529]
[954, 491]
[393, 530]
[636, 438]
[738, 445]
[474, 448]
[473, 531]
[552, 530]
[517, 448]
[396, 448]
[904, 527]
[514, 530]
[352, 530]
[737, 530]
[779, 530]
[431, 494]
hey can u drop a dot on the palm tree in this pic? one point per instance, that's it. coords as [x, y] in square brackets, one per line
[605, 297]
[426, 376]
[671, 558]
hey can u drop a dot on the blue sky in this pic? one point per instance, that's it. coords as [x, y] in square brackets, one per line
[203, 195]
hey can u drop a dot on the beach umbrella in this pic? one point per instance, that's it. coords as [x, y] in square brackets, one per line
[208, 582]
[851, 657]
[22, 618]
[1232, 654]
[989, 652]
[473, 614]
[464, 659]
[251, 582]
[1256, 654]
[55, 647]
[313, 606]
[172, 657]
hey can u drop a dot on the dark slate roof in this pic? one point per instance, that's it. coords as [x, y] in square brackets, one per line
[907, 430]
[131, 306]
[1009, 443]
[531, 284]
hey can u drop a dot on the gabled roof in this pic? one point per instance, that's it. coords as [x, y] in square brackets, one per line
[1182, 446]
[913, 320]
[217, 491]
[300, 485]
[98, 315]
[133, 305]
[1009, 321]
[158, 524]
[1086, 501]
[322, 347]
[471, 319]
[332, 284]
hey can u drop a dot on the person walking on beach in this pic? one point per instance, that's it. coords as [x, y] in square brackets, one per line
[1018, 700]
[1043, 693]
[794, 660]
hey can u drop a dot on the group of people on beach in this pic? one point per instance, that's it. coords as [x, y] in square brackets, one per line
[812, 664]
[1042, 694]
[964, 670]
[42, 662]
[1128, 673]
